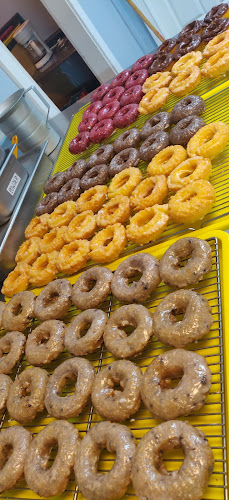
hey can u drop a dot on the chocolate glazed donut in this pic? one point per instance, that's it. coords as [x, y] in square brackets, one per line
[185, 129]
[160, 63]
[127, 158]
[77, 169]
[153, 144]
[103, 154]
[188, 44]
[216, 12]
[70, 191]
[166, 46]
[215, 28]
[157, 123]
[96, 175]
[190, 29]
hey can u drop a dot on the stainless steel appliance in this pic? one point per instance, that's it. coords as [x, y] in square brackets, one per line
[26, 36]
[12, 180]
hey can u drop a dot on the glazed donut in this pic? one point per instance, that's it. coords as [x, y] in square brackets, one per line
[92, 287]
[185, 129]
[73, 256]
[116, 210]
[103, 154]
[55, 183]
[44, 269]
[92, 199]
[188, 44]
[47, 204]
[113, 95]
[153, 100]
[217, 43]
[37, 227]
[192, 202]
[71, 405]
[162, 62]
[92, 319]
[209, 141]
[27, 394]
[188, 106]
[14, 444]
[168, 403]
[19, 312]
[100, 92]
[54, 300]
[48, 481]
[88, 122]
[136, 78]
[70, 191]
[128, 139]
[77, 169]
[180, 333]
[127, 158]
[29, 250]
[200, 262]
[193, 169]
[190, 59]
[45, 342]
[121, 78]
[216, 12]
[95, 176]
[17, 280]
[215, 28]
[52, 241]
[148, 224]
[189, 30]
[117, 439]
[2, 307]
[151, 191]
[124, 182]
[131, 95]
[101, 130]
[5, 383]
[185, 81]
[153, 144]
[108, 243]
[141, 289]
[157, 123]
[149, 475]
[125, 116]
[82, 227]
[94, 107]
[166, 47]
[165, 161]
[143, 62]
[62, 215]
[216, 65]
[115, 338]
[157, 81]
[79, 143]
[12, 345]
[110, 403]
[109, 110]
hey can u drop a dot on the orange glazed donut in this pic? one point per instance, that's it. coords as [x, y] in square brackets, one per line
[185, 81]
[38, 226]
[151, 191]
[209, 141]
[166, 160]
[216, 65]
[62, 214]
[156, 81]
[28, 251]
[147, 225]
[217, 43]
[192, 202]
[189, 170]
[190, 59]
[81, 227]
[73, 256]
[54, 240]
[44, 269]
[108, 243]
[153, 100]
[17, 280]
[115, 210]
[124, 182]
[92, 199]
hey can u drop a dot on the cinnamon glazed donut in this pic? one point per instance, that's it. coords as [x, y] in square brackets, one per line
[103, 154]
[128, 139]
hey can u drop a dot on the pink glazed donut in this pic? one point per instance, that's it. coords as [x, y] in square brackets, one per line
[113, 95]
[137, 78]
[109, 110]
[121, 78]
[126, 115]
[93, 108]
[101, 130]
[100, 92]
[79, 143]
[143, 63]
[88, 122]
[131, 95]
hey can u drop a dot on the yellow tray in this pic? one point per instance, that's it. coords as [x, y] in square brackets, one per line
[211, 418]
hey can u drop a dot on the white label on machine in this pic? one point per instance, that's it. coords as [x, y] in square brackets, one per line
[12, 186]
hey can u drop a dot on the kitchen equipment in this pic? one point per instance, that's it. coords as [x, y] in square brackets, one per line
[12, 180]
[15, 141]
[26, 36]
[19, 116]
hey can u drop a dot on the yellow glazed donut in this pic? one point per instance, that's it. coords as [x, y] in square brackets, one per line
[54, 240]
[192, 202]
[156, 81]
[125, 182]
[44, 269]
[209, 141]
[16, 281]
[151, 191]
[62, 214]
[116, 210]
[92, 199]
[217, 43]
[147, 225]
[190, 59]
[216, 65]
[38, 226]
[166, 160]
[189, 170]
[28, 251]
[108, 243]
[185, 81]
[81, 227]
[74, 256]
[153, 100]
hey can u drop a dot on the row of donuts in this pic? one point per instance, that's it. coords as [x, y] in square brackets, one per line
[29, 459]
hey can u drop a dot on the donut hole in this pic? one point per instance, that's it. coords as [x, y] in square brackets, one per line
[25, 390]
[178, 314]
[107, 241]
[128, 329]
[84, 328]
[5, 454]
[42, 338]
[104, 459]
[171, 378]
[123, 181]
[67, 385]
[171, 457]
[134, 276]
[17, 309]
[51, 299]
[116, 385]
[89, 285]
[49, 452]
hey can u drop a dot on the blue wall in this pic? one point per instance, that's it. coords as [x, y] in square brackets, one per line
[121, 28]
